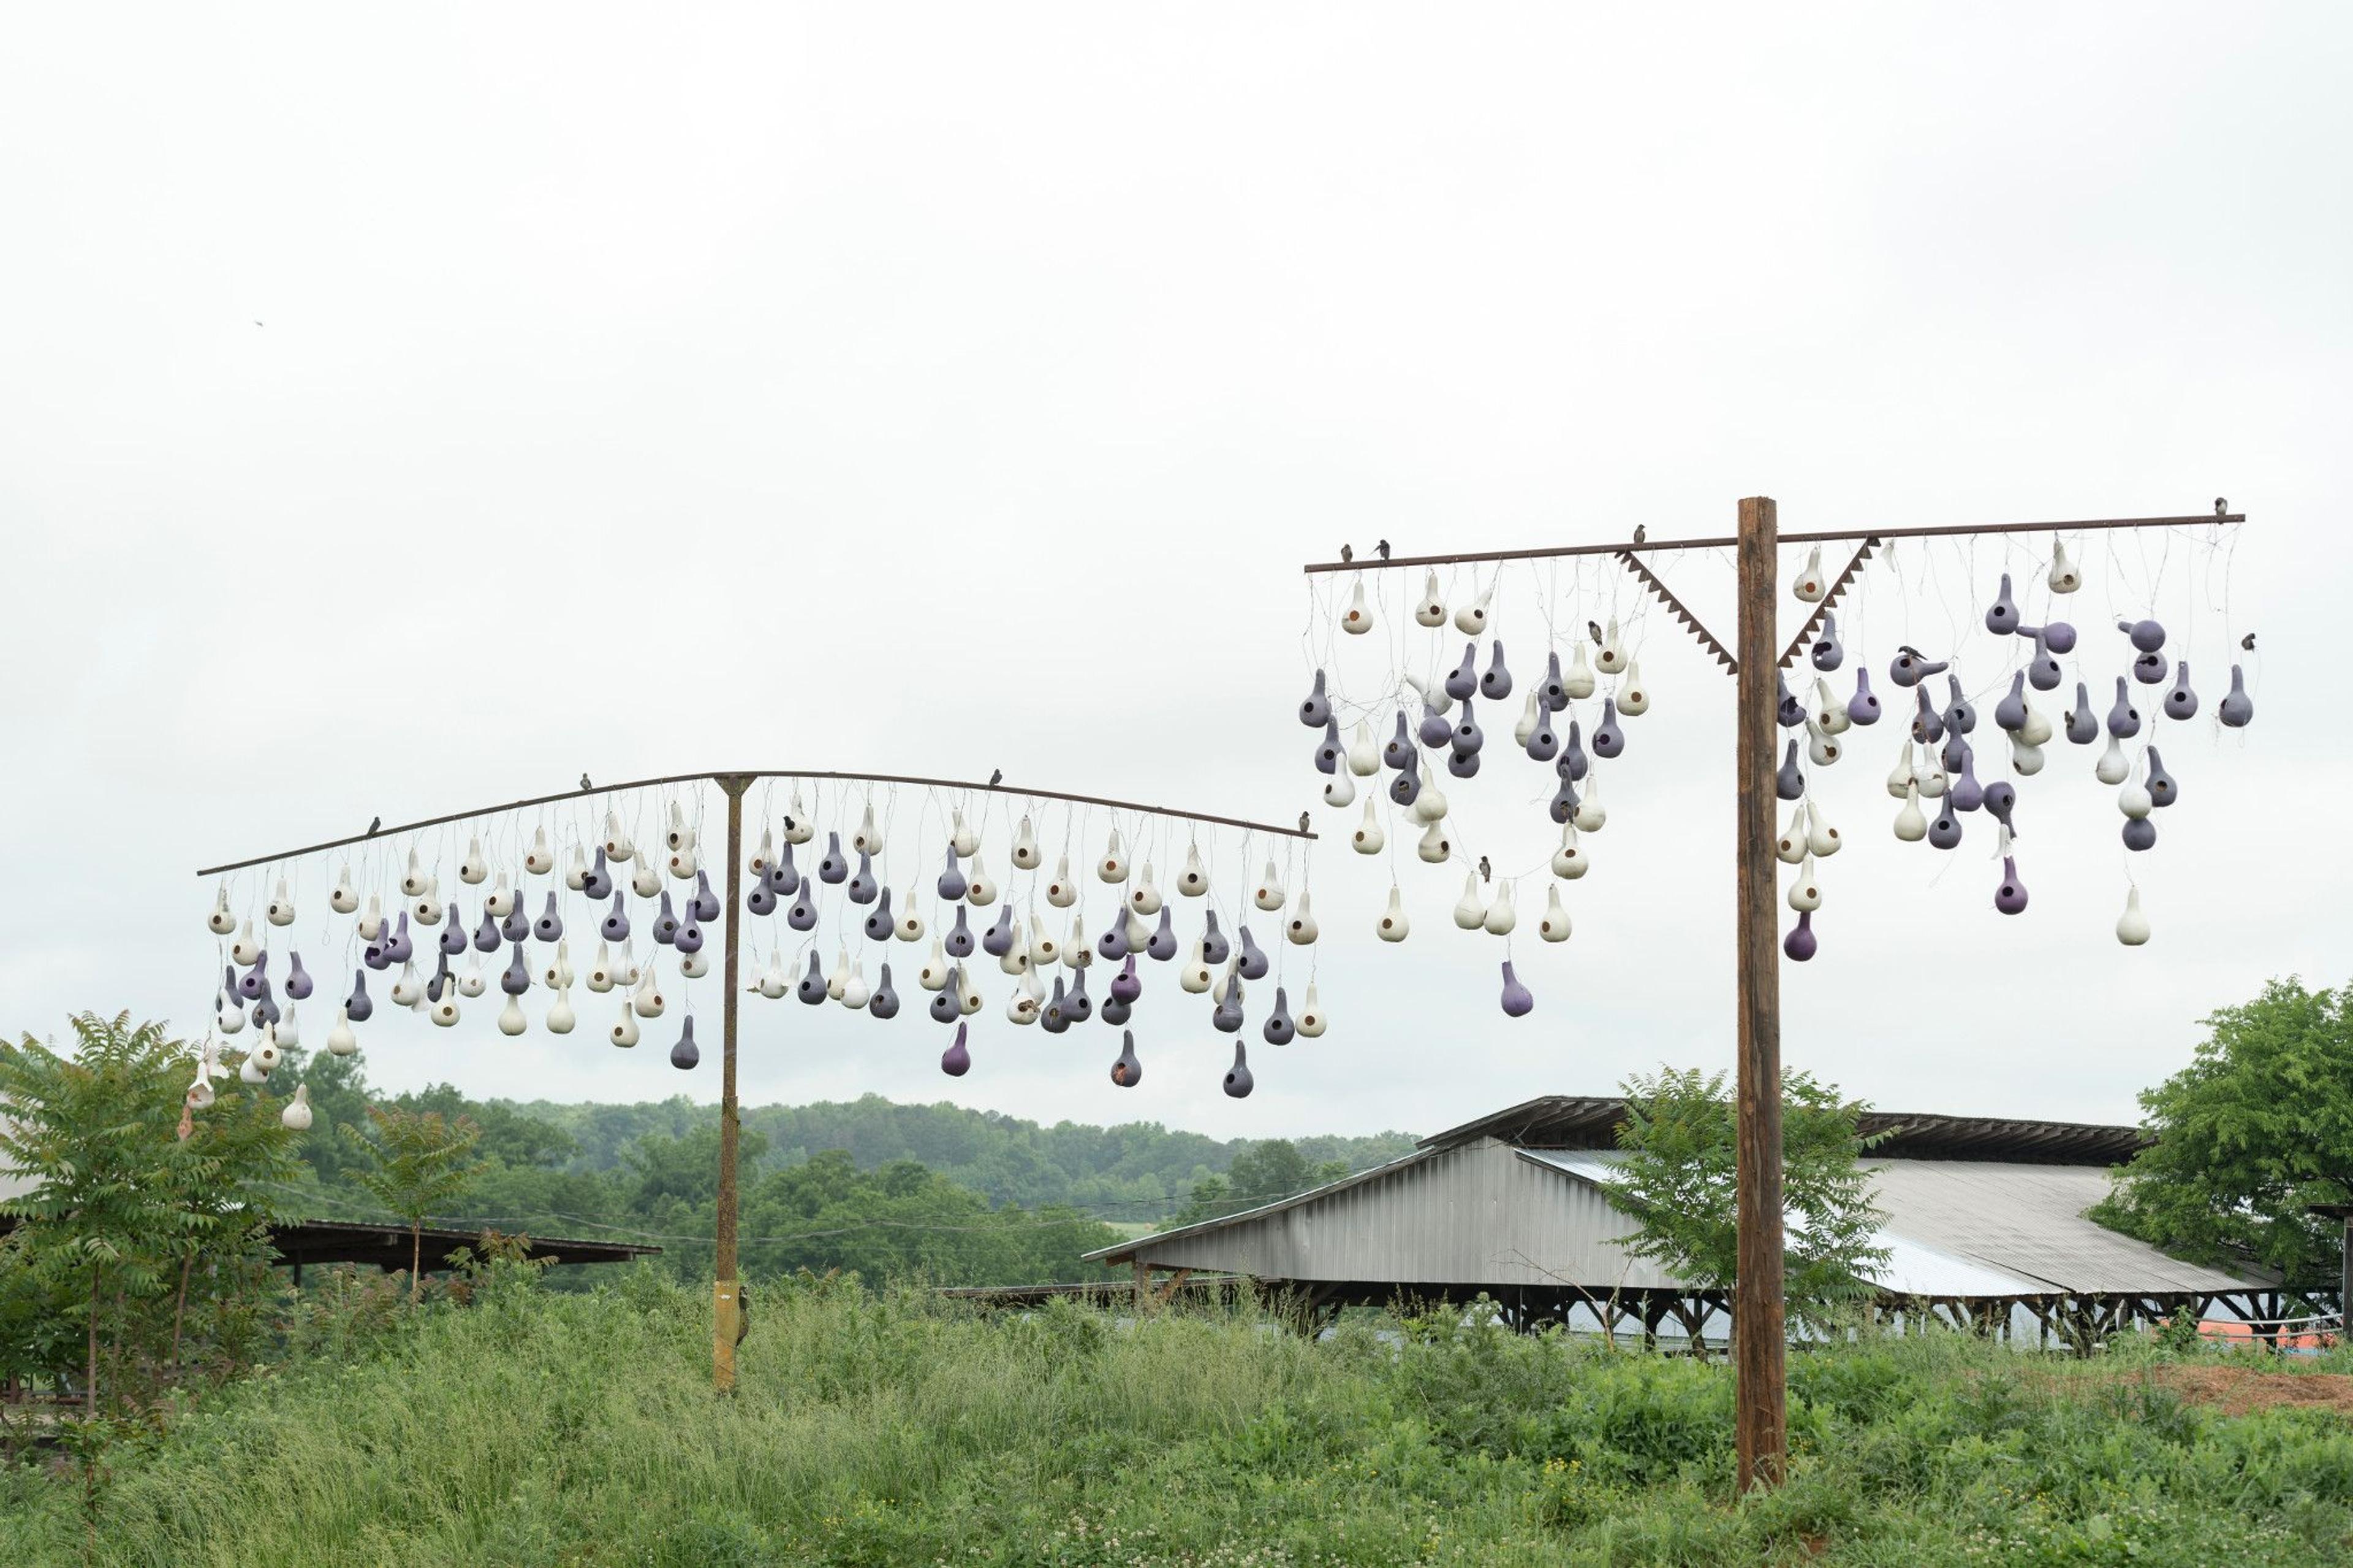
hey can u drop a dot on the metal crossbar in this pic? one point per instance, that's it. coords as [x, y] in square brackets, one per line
[747, 773]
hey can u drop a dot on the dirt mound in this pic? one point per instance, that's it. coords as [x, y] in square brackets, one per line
[2235, 1390]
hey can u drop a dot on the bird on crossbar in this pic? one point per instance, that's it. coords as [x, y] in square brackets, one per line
[1384, 548]
[1348, 553]
[376, 825]
[1640, 533]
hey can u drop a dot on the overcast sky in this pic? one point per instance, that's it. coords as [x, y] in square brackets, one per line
[406, 410]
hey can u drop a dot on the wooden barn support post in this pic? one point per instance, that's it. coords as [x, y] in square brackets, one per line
[1759, 1341]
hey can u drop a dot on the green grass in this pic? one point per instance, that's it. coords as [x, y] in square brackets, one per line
[540, 1428]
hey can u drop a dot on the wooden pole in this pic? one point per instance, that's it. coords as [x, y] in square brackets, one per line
[1757, 1335]
[727, 1291]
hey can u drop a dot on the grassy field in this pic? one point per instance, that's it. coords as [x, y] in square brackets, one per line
[541, 1428]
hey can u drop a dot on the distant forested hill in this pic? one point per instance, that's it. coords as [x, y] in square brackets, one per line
[1137, 1171]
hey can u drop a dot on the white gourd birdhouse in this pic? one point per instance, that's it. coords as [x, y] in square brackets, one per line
[1431, 609]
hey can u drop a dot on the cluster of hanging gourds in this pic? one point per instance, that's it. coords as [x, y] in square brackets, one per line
[1141, 925]
[388, 941]
[1444, 729]
[1938, 763]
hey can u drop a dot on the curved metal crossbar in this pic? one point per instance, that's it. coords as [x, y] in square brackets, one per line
[719, 775]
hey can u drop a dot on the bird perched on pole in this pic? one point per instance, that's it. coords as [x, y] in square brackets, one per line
[995, 777]
[1348, 553]
[376, 825]
[1640, 533]
[1303, 822]
[584, 784]
[1384, 548]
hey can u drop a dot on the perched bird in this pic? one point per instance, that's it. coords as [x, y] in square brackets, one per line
[1348, 553]
[1303, 822]
[1384, 548]
[1593, 630]
[995, 777]
[1906, 648]
[1640, 533]
[2248, 642]
[376, 825]
[584, 784]
[2222, 507]
[1486, 873]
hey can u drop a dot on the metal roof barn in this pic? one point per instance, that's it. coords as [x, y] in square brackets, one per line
[1984, 1224]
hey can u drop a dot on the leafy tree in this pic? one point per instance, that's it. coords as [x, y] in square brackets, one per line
[1262, 1174]
[904, 1221]
[506, 1135]
[122, 1205]
[682, 1172]
[650, 1171]
[2256, 1128]
[1678, 1181]
[418, 1162]
[1135, 1170]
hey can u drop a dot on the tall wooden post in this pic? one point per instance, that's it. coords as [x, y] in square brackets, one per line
[1758, 1334]
[727, 1291]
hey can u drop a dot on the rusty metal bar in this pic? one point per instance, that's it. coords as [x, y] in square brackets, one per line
[1730, 541]
[1667, 598]
[760, 773]
[1828, 599]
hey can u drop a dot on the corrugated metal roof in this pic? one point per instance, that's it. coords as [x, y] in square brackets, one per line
[1914, 1268]
[1587, 1121]
[1310, 1196]
[2029, 1219]
[1472, 1216]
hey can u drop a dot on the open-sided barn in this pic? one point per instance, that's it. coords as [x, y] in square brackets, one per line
[1984, 1225]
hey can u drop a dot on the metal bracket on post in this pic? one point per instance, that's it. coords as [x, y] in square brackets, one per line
[1666, 596]
[1806, 633]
